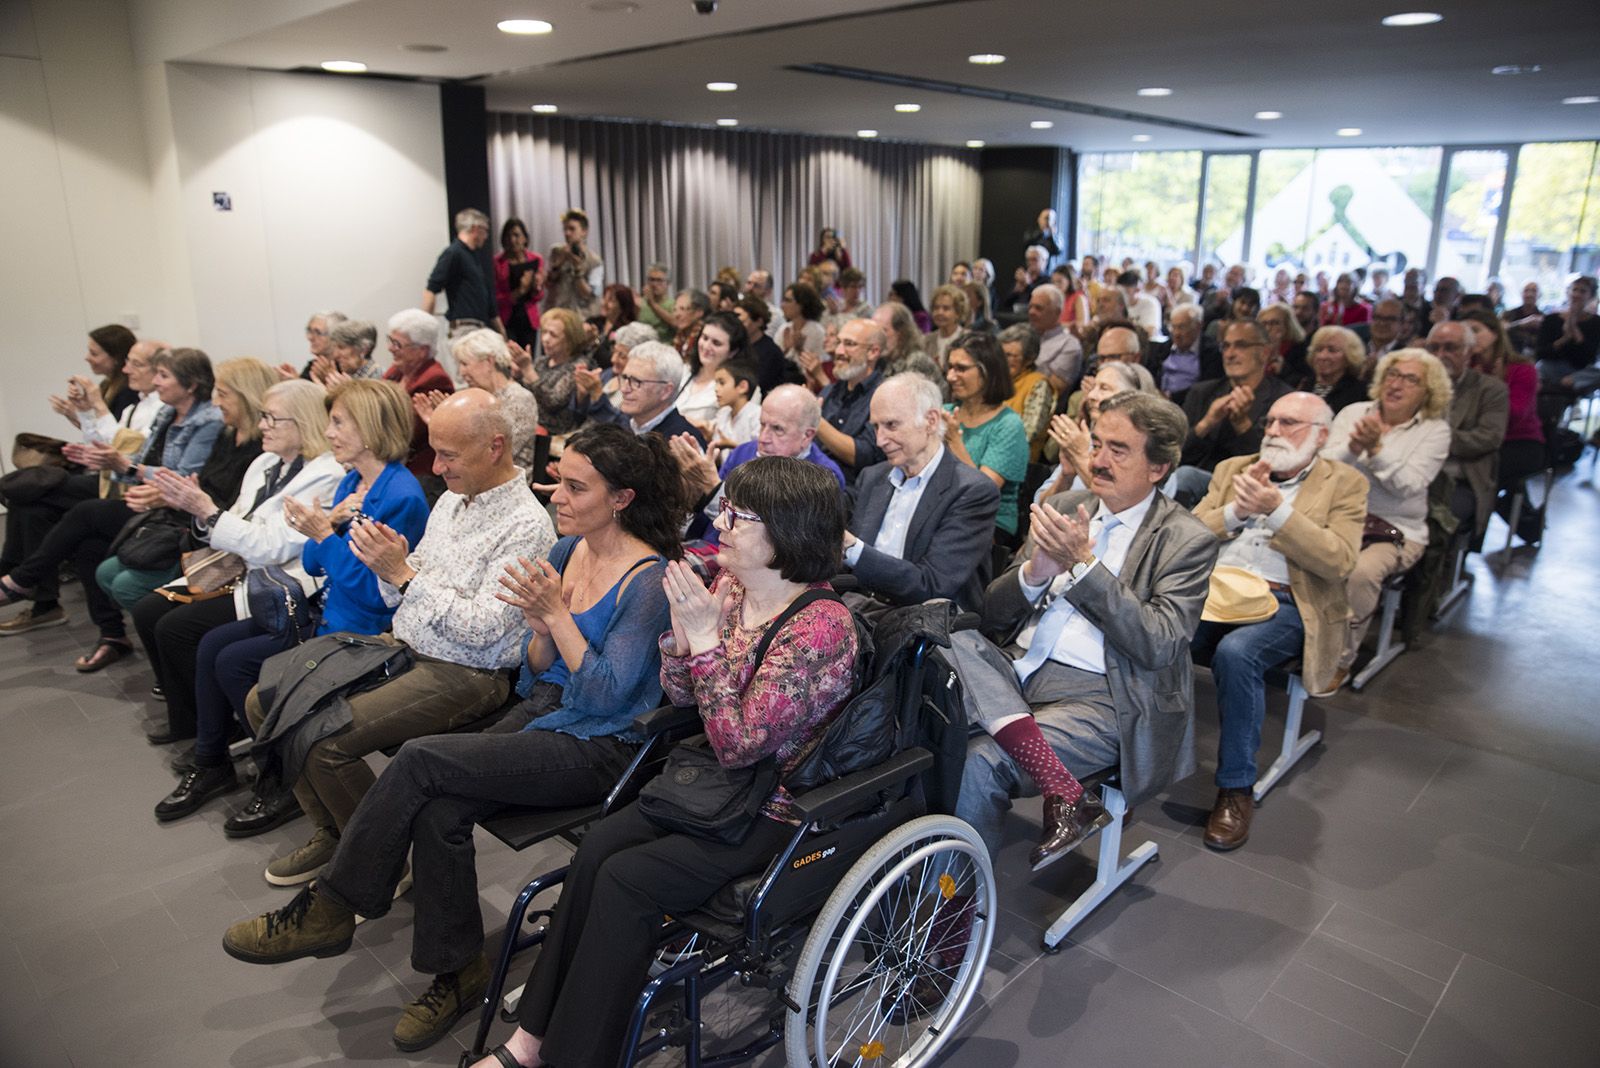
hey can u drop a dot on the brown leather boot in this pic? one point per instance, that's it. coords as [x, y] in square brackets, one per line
[1229, 825]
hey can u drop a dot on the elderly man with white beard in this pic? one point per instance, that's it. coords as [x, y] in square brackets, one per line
[1292, 520]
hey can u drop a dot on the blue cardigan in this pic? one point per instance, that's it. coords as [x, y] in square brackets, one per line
[620, 676]
[352, 601]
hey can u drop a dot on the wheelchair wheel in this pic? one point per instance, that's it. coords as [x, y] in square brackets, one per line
[897, 952]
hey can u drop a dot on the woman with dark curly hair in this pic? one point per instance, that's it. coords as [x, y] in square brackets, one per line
[595, 612]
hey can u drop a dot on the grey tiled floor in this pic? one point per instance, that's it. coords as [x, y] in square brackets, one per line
[1421, 891]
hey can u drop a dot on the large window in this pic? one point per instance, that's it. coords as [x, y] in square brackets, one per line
[1332, 210]
[1227, 196]
[1554, 227]
[1474, 200]
[1138, 204]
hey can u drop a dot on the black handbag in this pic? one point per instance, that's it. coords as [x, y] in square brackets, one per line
[696, 795]
[278, 603]
[151, 541]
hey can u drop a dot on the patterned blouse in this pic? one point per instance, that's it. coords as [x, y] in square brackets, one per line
[553, 391]
[805, 679]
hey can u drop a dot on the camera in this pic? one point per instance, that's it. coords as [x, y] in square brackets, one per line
[705, 7]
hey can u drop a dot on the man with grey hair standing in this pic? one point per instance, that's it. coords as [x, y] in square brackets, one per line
[459, 275]
[413, 347]
[1293, 521]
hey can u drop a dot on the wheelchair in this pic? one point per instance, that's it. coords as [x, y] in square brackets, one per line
[862, 942]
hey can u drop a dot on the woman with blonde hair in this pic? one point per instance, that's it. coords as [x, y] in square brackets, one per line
[1399, 440]
[295, 461]
[949, 311]
[550, 376]
[369, 433]
[1286, 341]
[1335, 361]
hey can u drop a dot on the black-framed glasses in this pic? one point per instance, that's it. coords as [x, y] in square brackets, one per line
[268, 420]
[732, 515]
[630, 382]
[1394, 374]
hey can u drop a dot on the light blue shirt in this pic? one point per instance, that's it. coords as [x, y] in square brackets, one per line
[1080, 643]
[891, 539]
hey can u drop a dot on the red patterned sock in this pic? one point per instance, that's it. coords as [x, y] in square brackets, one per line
[1023, 743]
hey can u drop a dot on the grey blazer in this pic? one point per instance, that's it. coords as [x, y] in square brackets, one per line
[948, 543]
[1148, 614]
[1479, 408]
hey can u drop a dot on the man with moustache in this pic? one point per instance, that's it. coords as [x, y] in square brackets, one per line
[1294, 520]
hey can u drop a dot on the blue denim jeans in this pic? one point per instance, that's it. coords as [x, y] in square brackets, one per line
[1239, 664]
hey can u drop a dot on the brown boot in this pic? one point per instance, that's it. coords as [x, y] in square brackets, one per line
[1229, 825]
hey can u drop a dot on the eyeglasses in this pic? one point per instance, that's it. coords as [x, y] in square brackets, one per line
[1226, 345]
[312, 331]
[1394, 374]
[268, 420]
[727, 511]
[630, 383]
[401, 343]
[1283, 423]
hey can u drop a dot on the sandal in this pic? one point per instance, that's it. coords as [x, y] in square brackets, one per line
[107, 652]
[503, 1055]
[10, 594]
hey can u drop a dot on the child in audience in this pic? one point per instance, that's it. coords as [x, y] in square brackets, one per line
[738, 417]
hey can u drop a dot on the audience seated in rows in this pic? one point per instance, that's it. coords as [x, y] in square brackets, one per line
[1186, 356]
[294, 461]
[1398, 441]
[563, 351]
[180, 439]
[1226, 414]
[1290, 523]
[413, 348]
[462, 638]
[1335, 369]
[981, 430]
[592, 616]
[1479, 406]
[1032, 398]
[368, 426]
[1072, 433]
[485, 363]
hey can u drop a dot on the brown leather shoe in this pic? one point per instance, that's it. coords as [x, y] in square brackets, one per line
[1066, 826]
[1229, 825]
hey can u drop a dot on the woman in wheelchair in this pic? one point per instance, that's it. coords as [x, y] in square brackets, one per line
[596, 611]
[781, 532]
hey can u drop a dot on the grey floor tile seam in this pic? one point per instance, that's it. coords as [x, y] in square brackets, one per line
[1313, 1010]
[1442, 995]
[1533, 824]
[1357, 986]
[1290, 960]
[1431, 779]
[1380, 956]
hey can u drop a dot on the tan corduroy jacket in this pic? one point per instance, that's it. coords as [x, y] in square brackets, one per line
[1320, 542]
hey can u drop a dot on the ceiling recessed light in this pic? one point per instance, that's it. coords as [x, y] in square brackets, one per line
[986, 59]
[1155, 90]
[1413, 18]
[722, 87]
[614, 7]
[425, 49]
[908, 109]
[1516, 68]
[1141, 137]
[727, 122]
[866, 133]
[1348, 131]
[344, 66]
[1580, 100]
[1268, 116]
[546, 109]
[524, 27]
[1041, 124]
[974, 144]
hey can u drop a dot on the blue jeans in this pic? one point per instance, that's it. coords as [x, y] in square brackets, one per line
[1239, 664]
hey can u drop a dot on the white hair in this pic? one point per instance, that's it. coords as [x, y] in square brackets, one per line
[924, 394]
[802, 400]
[1187, 312]
[664, 361]
[482, 344]
[1052, 294]
[635, 333]
[417, 327]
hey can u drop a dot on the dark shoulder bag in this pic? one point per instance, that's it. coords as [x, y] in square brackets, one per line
[696, 795]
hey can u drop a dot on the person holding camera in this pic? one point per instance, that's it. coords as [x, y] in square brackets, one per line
[576, 273]
[830, 247]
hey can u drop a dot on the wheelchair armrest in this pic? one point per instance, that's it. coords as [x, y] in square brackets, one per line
[667, 719]
[841, 796]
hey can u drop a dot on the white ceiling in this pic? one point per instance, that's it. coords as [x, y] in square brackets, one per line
[1324, 66]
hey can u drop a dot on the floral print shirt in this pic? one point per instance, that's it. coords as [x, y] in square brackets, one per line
[780, 709]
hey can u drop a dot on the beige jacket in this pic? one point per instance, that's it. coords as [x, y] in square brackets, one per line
[1320, 542]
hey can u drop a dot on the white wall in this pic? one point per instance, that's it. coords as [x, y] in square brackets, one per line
[338, 200]
[105, 200]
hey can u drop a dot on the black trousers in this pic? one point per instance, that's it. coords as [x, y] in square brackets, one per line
[429, 799]
[627, 875]
[82, 536]
[28, 524]
[171, 635]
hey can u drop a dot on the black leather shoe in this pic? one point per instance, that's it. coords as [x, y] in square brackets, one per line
[1066, 826]
[158, 693]
[169, 735]
[197, 786]
[264, 812]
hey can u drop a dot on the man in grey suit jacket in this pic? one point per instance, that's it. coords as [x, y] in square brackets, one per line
[1112, 581]
[922, 522]
[1479, 409]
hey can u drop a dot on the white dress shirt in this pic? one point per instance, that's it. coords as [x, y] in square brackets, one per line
[1081, 644]
[891, 539]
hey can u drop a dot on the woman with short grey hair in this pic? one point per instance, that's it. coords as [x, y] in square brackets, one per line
[350, 352]
[485, 363]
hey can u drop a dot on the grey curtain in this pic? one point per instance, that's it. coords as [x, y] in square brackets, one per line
[700, 199]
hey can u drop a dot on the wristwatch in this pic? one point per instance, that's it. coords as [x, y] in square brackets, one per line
[1080, 568]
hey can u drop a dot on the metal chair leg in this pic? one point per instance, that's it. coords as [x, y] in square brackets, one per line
[1295, 744]
[1111, 871]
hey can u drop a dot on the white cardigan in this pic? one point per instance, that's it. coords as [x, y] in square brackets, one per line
[266, 538]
